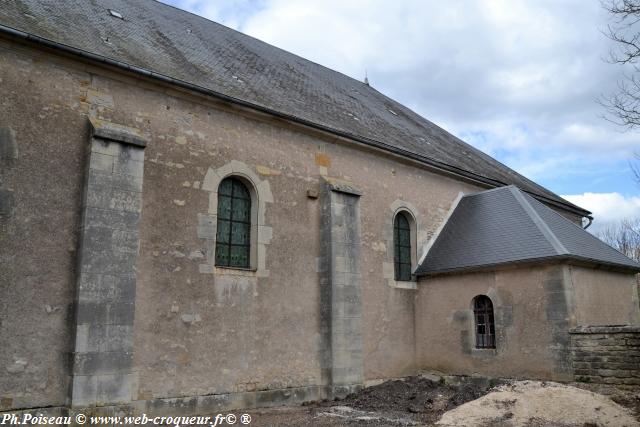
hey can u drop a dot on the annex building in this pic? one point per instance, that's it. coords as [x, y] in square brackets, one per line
[192, 220]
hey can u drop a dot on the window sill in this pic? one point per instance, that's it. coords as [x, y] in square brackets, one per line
[484, 352]
[402, 284]
[235, 271]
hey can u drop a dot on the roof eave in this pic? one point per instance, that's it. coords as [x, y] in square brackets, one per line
[570, 259]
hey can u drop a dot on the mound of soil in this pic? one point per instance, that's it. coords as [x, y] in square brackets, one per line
[421, 398]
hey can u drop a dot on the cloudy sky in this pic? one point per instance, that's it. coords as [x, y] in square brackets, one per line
[517, 79]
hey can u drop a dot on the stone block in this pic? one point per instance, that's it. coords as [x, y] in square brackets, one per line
[101, 162]
[109, 262]
[352, 260]
[113, 313]
[8, 146]
[103, 337]
[265, 234]
[346, 309]
[206, 226]
[121, 313]
[115, 388]
[106, 239]
[91, 313]
[127, 166]
[7, 203]
[102, 362]
[102, 288]
[217, 402]
[114, 199]
[106, 147]
[101, 129]
[131, 153]
[94, 217]
[119, 338]
[84, 390]
[173, 407]
[102, 181]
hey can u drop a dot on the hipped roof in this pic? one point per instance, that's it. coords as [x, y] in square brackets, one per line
[506, 226]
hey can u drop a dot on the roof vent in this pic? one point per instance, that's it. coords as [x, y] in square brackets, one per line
[116, 14]
[392, 112]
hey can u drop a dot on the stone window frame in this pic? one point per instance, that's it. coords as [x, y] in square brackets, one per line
[388, 266]
[261, 232]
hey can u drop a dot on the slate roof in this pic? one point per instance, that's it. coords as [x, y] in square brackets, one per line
[168, 42]
[505, 225]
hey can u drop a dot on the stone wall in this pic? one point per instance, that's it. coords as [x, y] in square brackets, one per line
[242, 335]
[606, 354]
[532, 311]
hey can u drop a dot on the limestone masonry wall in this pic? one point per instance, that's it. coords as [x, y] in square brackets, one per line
[606, 354]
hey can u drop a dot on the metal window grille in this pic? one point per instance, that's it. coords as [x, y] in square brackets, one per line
[233, 234]
[485, 329]
[402, 247]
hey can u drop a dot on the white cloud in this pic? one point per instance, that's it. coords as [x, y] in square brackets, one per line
[607, 208]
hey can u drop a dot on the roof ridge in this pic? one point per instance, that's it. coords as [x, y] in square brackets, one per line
[538, 221]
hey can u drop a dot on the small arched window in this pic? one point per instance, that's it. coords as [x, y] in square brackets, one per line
[233, 233]
[485, 329]
[402, 247]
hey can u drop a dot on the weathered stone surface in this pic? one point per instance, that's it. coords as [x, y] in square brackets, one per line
[8, 146]
[6, 203]
[108, 250]
[341, 292]
[122, 134]
[606, 354]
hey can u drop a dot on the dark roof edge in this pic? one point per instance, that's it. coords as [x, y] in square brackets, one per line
[189, 86]
[531, 261]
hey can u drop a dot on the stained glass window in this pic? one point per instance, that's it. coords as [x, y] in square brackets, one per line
[485, 329]
[233, 235]
[402, 247]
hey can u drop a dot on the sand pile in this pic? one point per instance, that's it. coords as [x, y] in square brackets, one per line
[535, 403]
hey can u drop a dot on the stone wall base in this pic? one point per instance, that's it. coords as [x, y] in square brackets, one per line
[606, 355]
[198, 405]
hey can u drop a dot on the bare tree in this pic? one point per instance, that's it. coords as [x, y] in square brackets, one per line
[623, 107]
[624, 236]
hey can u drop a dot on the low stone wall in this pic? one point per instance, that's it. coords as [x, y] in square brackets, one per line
[606, 354]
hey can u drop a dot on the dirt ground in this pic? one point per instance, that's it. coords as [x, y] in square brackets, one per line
[423, 401]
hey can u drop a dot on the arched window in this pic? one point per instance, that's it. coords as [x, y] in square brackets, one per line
[485, 330]
[233, 233]
[402, 247]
